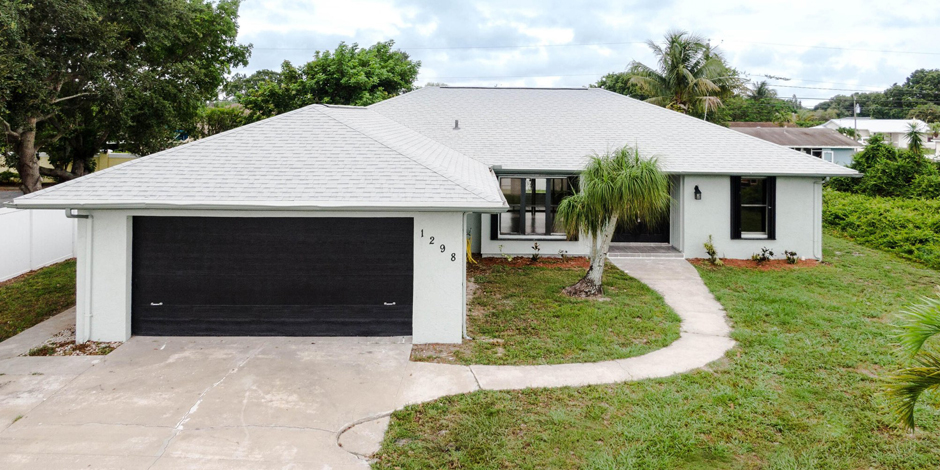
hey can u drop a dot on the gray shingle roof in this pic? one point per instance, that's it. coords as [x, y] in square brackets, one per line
[317, 157]
[800, 137]
[555, 129]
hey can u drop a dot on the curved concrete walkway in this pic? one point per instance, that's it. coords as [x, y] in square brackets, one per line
[703, 339]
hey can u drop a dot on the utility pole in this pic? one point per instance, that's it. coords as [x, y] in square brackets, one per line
[855, 113]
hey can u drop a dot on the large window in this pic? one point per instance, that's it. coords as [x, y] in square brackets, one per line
[752, 207]
[533, 203]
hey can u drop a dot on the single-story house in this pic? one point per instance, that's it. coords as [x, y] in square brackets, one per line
[894, 130]
[823, 143]
[339, 220]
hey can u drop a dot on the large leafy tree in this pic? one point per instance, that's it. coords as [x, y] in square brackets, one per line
[920, 323]
[617, 189]
[619, 82]
[79, 73]
[350, 75]
[690, 76]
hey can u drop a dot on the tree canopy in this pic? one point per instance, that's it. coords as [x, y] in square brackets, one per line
[80, 73]
[690, 76]
[350, 75]
[919, 91]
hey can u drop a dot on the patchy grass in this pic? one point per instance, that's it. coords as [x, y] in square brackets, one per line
[63, 344]
[800, 391]
[519, 315]
[36, 296]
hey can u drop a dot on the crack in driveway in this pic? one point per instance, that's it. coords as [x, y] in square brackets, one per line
[179, 425]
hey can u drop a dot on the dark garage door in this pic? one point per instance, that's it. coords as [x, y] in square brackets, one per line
[208, 276]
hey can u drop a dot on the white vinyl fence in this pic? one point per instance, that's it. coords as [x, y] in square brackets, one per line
[31, 239]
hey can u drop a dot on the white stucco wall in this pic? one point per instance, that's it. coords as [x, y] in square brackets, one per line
[104, 270]
[798, 222]
[523, 247]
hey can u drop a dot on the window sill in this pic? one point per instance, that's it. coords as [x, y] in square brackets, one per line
[534, 237]
[755, 236]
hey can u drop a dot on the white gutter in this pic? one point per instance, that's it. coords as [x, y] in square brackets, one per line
[492, 208]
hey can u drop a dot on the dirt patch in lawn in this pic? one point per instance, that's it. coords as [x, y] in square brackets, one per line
[63, 344]
[772, 265]
[572, 262]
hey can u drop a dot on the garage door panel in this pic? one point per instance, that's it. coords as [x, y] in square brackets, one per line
[267, 276]
[369, 289]
[235, 320]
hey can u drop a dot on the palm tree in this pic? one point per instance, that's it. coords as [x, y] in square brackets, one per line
[915, 139]
[761, 91]
[920, 323]
[784, 118]
[619, 187]
[691, 77]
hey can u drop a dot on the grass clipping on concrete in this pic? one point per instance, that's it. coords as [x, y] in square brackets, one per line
[517, 314]
[35, 296]
[800, 391]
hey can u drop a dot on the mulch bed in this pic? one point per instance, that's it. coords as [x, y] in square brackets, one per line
[63, 344]
[772, 265]
[573, 262]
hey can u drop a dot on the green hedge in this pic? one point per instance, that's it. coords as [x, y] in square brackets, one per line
[909, 228]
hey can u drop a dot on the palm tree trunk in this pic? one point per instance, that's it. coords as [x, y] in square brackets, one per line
[591, 285]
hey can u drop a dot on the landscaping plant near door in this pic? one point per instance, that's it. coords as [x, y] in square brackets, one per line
[619, 187]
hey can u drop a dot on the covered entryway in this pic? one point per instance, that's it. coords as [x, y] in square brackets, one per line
[643, 233]
[266, 276]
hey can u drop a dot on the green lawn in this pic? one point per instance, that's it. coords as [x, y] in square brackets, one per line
[520, 316]
[800, 391]
[34, 297]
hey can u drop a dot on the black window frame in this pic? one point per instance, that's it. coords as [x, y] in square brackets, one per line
[770, 201]
[548, 206]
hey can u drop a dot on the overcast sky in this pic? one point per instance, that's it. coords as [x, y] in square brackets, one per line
[859, 45]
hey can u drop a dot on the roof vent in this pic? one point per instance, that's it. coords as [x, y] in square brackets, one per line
[456, 125]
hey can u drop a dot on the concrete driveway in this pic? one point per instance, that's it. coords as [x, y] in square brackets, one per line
[172, 403]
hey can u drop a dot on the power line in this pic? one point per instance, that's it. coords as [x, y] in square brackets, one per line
[620, 43]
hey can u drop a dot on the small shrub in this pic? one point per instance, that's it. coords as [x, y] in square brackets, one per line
[712, 253]
[564, 255]
[791, 256]
[535, 253]
[508, 257]
[765, 255]
[9, 177]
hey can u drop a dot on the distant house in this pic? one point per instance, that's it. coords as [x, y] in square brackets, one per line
[894, 130]
[826, 144]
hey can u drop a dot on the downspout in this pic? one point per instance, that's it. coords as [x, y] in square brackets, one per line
[817, 212]
[88, 257]
[463, 231]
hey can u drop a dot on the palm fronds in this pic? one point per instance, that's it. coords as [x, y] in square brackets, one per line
[919, 323]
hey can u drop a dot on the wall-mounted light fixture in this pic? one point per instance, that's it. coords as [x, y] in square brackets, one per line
[698, 193]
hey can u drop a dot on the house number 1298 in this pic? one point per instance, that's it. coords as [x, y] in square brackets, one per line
[453, 256]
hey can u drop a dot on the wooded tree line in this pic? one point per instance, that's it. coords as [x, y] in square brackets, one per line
[79, 76]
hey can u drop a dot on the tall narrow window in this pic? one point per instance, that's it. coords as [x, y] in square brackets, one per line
[533, 205]
[752, 207]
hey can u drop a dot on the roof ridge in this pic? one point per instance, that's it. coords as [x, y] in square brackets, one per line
[92, 175]
[695, 119]
[452, 176]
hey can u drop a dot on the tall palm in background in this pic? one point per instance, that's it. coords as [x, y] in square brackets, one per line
[618, 188]
[761, 91]
[920, 323]
[690, 76]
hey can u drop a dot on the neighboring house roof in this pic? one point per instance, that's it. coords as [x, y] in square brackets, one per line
[877, 126]
[317, 157]
[800, 137]
[555, 129]
[734, 124]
